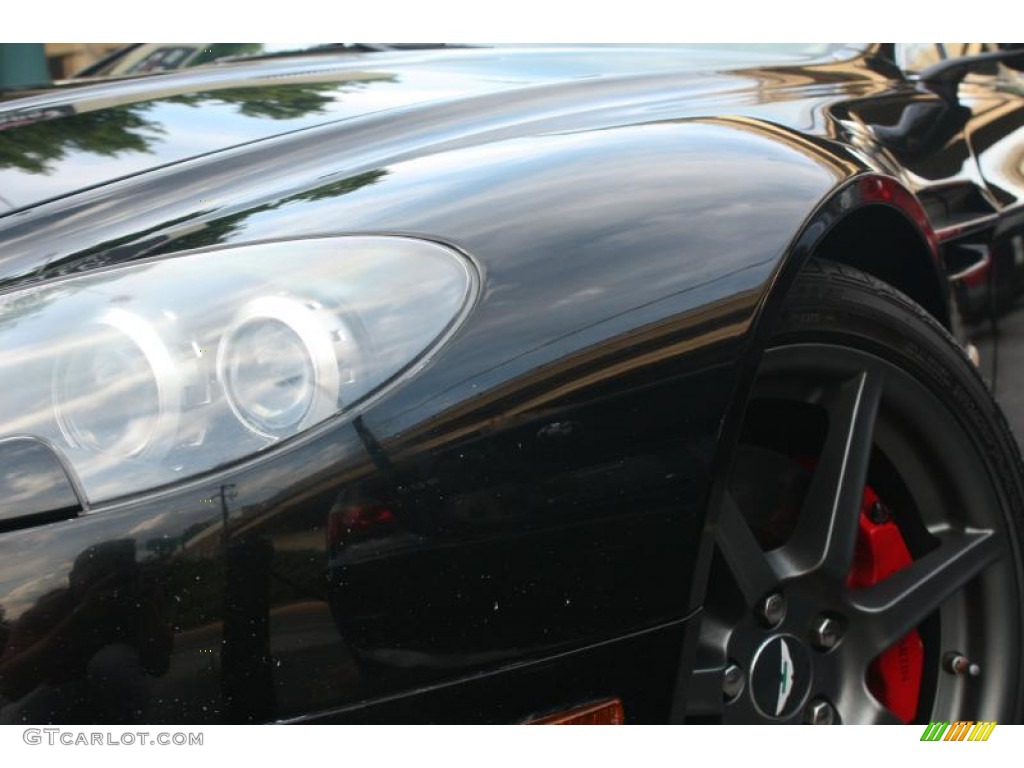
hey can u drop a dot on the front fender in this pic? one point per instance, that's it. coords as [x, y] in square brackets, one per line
[547, 474]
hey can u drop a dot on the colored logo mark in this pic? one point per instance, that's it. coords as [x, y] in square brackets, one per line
[961, 730]
[786, 678]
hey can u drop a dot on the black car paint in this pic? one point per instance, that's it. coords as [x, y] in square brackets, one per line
[534, 503]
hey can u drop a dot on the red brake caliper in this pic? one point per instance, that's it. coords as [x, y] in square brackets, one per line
[895, 676]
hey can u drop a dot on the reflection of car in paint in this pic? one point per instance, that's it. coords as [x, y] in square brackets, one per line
[508, 385]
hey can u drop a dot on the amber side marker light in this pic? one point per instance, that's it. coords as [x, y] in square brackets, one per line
[606, 712]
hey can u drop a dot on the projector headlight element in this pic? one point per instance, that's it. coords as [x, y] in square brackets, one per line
[281, 364]
[132, 387]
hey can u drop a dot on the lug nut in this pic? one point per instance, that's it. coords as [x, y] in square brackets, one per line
[879, 513]
[819, 712]
[826, 633]
[733, 681]
[958, 664]
[772, 609]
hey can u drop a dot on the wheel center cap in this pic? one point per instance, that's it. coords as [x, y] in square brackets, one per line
[780, 676]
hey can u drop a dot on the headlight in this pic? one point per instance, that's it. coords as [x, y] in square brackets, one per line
[150, 373]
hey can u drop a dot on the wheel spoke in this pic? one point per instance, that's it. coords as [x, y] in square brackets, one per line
[858, 707]
[827, 530]
[743, 555]
[704, 694]
[890, 609]
[880, 715]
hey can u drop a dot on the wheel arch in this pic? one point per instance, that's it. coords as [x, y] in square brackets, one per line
[882, 241]
[875, 224]
[866, 211]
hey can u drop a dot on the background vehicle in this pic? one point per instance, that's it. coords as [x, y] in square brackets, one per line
[478, 385]
[143, 58]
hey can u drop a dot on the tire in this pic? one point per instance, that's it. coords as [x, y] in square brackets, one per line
[868, 567]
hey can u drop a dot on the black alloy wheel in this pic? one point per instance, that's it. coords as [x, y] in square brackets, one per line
[868, 567]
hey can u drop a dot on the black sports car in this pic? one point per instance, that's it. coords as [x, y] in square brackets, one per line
[597, 384]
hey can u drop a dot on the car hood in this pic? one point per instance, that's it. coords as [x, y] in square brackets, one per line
[73, 137]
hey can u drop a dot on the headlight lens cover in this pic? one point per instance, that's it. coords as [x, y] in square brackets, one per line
[146, 374]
